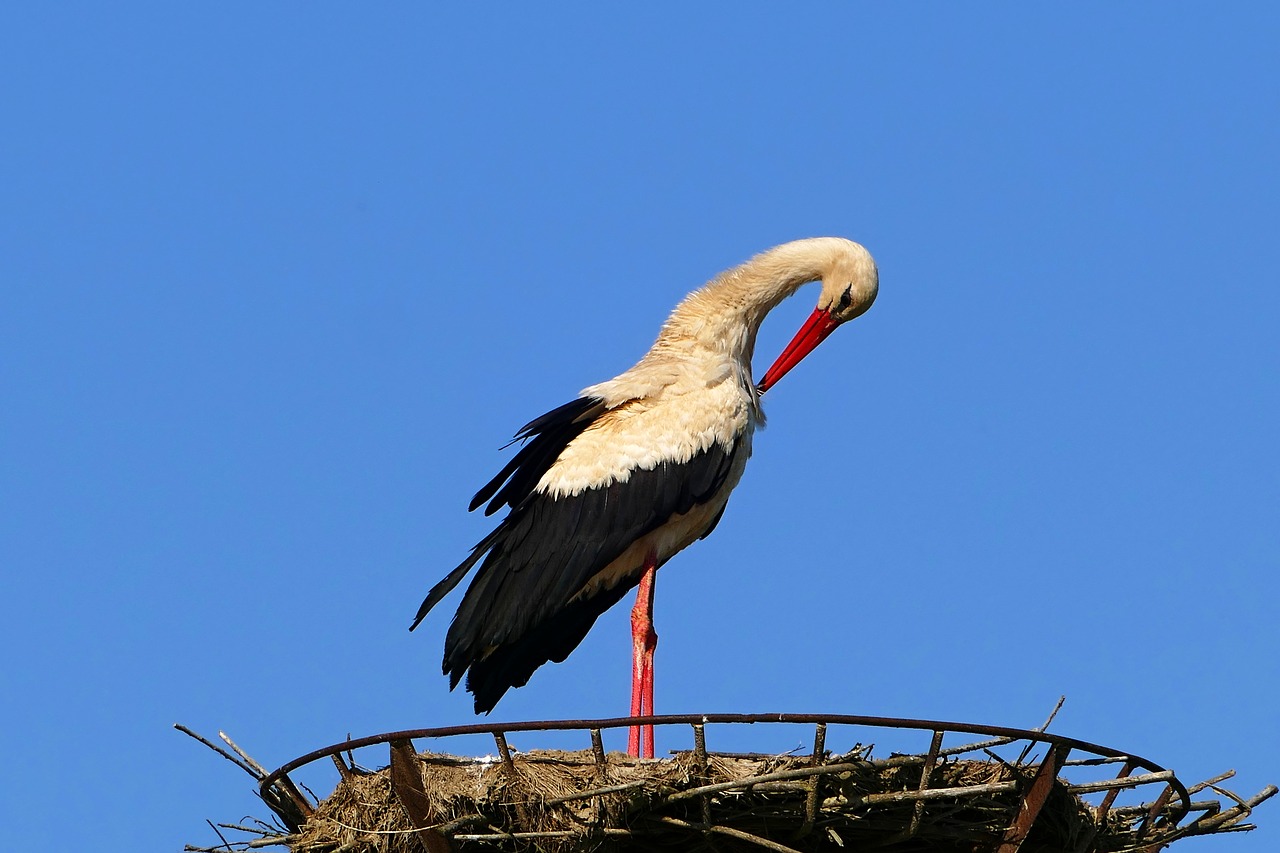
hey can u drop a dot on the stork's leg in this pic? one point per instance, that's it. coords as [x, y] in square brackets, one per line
[643, 641]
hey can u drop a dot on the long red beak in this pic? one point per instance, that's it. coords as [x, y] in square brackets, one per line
[813, 332]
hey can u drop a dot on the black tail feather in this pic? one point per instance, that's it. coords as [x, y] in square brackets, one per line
[445, 586]
[512, 665]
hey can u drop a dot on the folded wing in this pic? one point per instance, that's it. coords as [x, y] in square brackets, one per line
[539, 587]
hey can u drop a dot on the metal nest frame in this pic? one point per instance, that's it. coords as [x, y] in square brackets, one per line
[1158, 822]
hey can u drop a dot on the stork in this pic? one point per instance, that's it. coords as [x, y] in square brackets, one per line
[611, 485]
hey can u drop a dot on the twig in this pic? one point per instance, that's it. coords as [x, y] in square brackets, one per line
[255, 830]
[458, 823]
[554, 833]
[1235, 814]
[1210, 806]
[1200, 786]
[798, 773]
[1052, 714]
[966, 747]
[256, 770]
[262, 771]
[257, 843]
[729, 831]
[221, 837]
[275, 828]
[410, 831]
[934, 793]
[1010, 767]
[1094, 762]
[237, 762]
[595, 792]
[1122, 782]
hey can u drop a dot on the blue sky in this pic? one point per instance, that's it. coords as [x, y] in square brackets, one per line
[279, 281]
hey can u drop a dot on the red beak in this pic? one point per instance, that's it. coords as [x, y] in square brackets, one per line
[813, 332]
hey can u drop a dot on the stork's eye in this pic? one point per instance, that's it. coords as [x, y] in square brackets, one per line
[846, 299]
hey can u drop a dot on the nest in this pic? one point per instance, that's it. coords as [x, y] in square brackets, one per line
[964, 798]
[565, 801]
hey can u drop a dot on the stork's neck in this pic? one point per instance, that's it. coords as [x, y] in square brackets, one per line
[711, 335]
[726, 313]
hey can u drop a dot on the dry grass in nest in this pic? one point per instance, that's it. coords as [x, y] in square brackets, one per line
[551, 800]
[539, 804]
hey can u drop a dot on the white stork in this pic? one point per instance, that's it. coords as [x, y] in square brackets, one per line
[610, 486]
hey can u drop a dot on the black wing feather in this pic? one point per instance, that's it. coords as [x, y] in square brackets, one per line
[550, 434]
[524, 606]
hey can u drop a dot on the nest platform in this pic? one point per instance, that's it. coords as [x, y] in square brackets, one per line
[1008, 790]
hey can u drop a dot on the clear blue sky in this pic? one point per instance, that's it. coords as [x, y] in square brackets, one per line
[278, 281]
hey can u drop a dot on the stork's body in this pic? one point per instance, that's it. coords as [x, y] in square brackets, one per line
[610, 486]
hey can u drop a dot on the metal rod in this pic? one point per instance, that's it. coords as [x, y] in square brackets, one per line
[700, 756]
[688, 719]
[1034, 799]
[597, 752]
[504, 752]
[925, 772]
[811, 798]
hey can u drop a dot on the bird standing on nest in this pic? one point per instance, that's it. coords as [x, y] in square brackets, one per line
[611, 485]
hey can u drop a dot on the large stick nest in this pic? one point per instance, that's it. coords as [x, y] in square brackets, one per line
[544, 801]
[945, 801]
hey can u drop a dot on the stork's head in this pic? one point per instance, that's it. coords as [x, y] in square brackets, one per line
[850, 286]
[850, 283]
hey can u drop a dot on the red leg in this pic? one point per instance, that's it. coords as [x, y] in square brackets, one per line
[643, 641]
